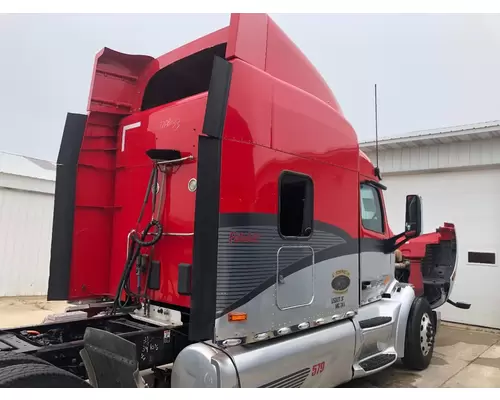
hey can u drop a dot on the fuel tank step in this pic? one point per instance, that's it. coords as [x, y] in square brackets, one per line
[377, 362]
[373, 322]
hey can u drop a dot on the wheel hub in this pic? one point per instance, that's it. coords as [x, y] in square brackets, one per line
[426, 334]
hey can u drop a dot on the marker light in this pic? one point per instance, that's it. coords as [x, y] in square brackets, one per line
[237, 317]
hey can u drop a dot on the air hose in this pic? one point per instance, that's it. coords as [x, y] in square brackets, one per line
[138, 242]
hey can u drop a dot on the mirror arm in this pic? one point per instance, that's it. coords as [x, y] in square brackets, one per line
[391, 244]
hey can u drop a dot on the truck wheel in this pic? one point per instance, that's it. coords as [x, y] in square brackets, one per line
[8, 358]
[420, 336]
[39, 376]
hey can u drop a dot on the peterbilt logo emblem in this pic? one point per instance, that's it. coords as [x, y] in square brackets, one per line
[341, 281]
[243, 237]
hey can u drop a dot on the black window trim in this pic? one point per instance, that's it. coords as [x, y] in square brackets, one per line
[375, 184]
[382, 213]
[300, 174]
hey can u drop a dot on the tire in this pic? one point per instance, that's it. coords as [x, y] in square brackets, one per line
[38, 376]
[420, 336]
[8, 358]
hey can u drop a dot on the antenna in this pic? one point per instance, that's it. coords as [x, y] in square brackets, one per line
[377, 169]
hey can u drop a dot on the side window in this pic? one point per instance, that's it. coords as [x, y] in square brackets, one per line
[295, 205]
[372, 217]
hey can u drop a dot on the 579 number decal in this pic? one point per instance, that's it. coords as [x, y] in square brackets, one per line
[318, 368]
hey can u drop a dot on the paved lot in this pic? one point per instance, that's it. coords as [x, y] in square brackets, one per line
[462, 357]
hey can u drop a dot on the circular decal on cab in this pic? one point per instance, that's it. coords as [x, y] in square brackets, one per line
[341, 281]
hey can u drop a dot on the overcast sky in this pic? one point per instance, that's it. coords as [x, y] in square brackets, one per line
[431, 70]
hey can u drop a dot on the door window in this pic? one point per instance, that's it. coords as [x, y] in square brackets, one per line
[295, 206]
[372, 217]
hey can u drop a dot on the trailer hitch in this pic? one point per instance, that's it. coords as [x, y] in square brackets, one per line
[459, 304]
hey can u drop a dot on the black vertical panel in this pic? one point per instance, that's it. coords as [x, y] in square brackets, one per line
[206, 226]
[218, 94]
[64, 207]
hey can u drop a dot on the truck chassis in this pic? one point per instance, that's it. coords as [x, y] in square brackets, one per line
[60, 343]
[142, 353]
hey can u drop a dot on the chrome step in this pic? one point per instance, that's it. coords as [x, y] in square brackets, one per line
[378, 361]
[374, 322]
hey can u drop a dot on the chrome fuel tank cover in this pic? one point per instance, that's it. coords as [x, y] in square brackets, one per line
[203, 366]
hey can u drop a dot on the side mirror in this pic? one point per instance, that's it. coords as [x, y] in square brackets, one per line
[413, 219]
[413, 224]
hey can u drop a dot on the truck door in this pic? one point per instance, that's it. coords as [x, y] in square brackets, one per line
[295, 221]
[376, 267]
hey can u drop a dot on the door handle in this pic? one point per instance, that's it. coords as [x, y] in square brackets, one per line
[366, 285]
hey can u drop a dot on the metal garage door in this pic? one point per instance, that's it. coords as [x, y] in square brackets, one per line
[25, 238]
[471, 200]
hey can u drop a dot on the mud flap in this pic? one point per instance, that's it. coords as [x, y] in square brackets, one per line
[436, 320]
[110, 361]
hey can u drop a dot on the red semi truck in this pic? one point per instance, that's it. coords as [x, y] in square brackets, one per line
[216, 225]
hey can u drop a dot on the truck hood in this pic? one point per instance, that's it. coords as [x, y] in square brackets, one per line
[437, 254]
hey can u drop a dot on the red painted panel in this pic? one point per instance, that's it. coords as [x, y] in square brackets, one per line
[247, 38]
[112, 91]
[249, 184]
[250, 97]
[285, 61]
[114, 81]
[92, 228]
[174, 126]
[257, 40]
[366, 166]
[306, 126]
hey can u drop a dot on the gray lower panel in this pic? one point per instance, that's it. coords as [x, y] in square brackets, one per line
[265, 312]
[322, 357]
[385, 340]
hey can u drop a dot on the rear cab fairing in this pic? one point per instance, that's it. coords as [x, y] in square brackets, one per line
[173, 126]
[81, 267]
[84, 200]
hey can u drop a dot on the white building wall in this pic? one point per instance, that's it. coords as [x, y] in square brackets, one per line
[26, 208]
[466, 154]
[469, 199]
[26, 183]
